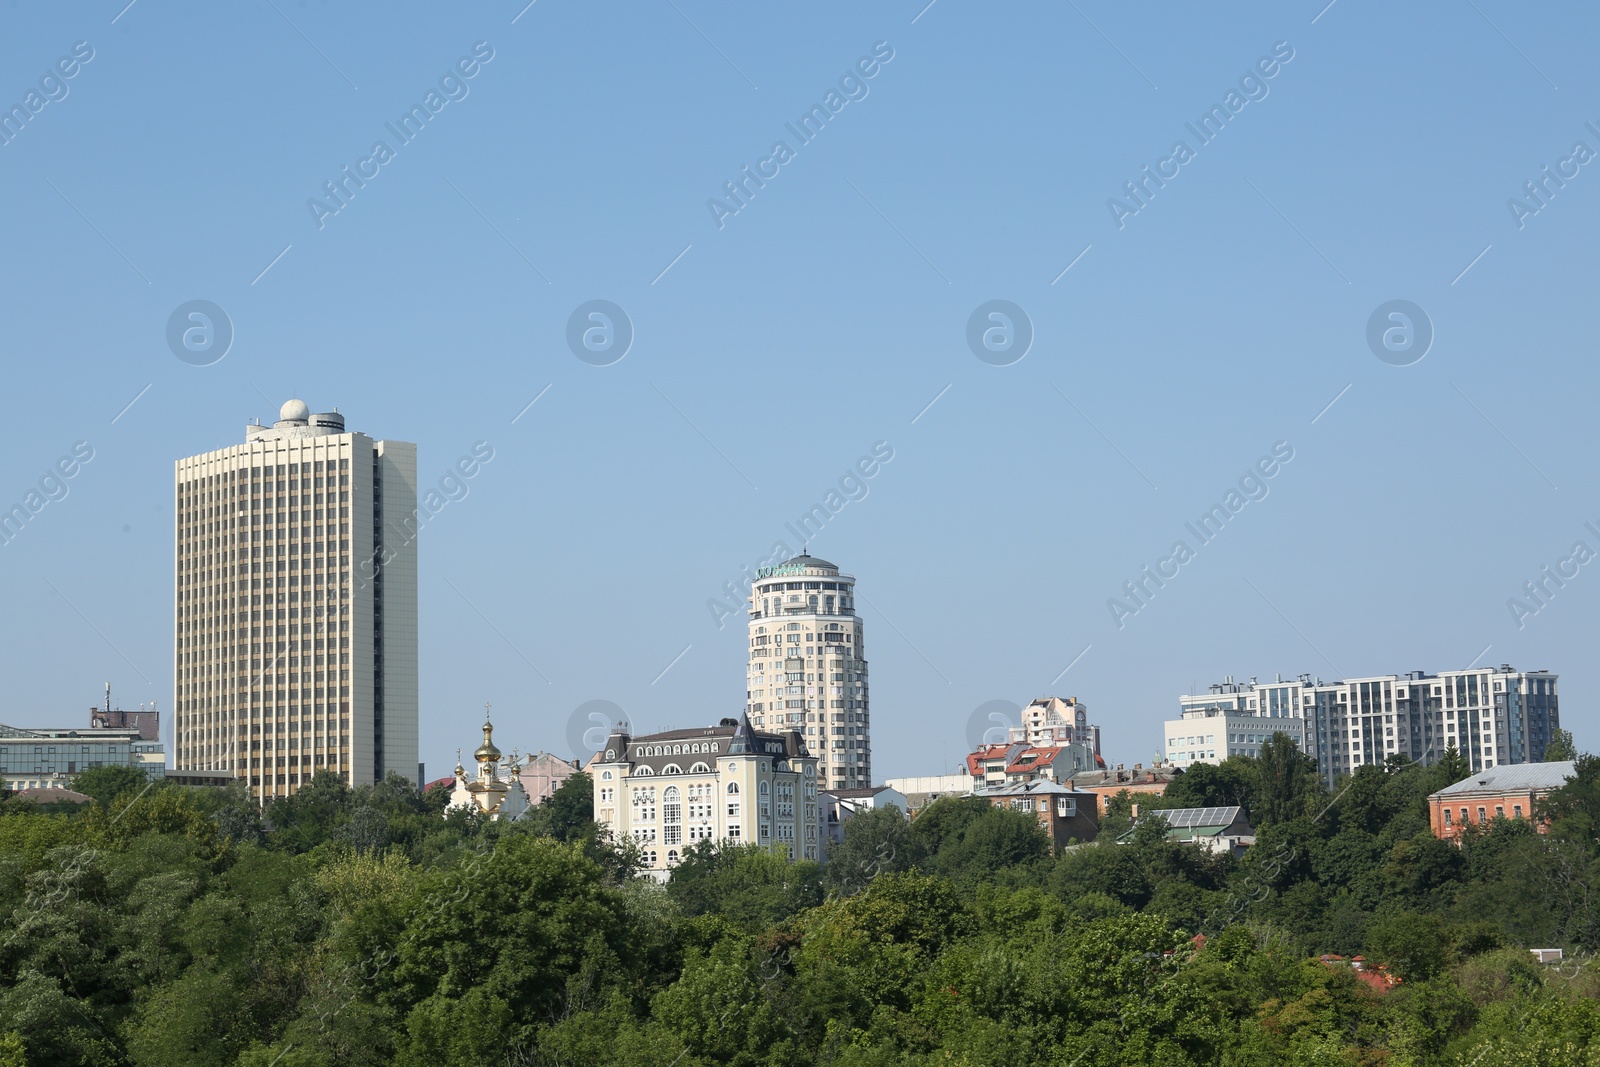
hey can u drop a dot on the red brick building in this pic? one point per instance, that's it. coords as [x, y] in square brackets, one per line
[1509, 791]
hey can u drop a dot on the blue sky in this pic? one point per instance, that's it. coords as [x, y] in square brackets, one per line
[773, 351]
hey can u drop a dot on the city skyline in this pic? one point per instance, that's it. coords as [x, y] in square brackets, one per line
[1065, 389]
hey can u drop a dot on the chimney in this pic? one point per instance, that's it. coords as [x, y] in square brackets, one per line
[1135, 811]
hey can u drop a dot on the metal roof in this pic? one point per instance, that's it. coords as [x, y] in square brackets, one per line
[1511, 777]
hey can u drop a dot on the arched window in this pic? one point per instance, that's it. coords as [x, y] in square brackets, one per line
[713, 746]
[605, 777]
[672, 858]
[611, 754]
[733, 788]
[671, 817]
[642, 772]
[672, 768]
[699, 768]
[763, 788]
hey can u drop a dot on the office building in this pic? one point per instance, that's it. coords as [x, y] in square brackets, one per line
[49, 757]
[296, 606]
[808, 667]
[1211, 735]
[1493, 715]
[728, 782]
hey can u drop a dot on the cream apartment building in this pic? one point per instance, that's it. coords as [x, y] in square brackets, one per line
[728, 782]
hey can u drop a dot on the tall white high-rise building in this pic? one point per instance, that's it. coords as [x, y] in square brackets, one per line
[296, 606]
[1492, 715]
[808, 666]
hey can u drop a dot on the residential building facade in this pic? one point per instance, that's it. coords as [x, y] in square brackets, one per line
[295, 647]
[1067, 816]
[542, 774]
[1492, 715]
[839, 805]
[1056, 721]
[728, 782]
[808, 667]
[1136, 781]
[1510, 791]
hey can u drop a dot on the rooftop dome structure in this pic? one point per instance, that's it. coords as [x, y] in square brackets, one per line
[808, 560]
[487, 752]
[294, 411]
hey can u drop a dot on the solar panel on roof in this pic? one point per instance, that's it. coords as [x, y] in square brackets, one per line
[1188, 818]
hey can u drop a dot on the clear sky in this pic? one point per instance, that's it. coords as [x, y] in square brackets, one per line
[773, 346]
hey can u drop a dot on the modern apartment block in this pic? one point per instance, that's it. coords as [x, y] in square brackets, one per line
[808, 667]
[296, 606]
[1493, 715]
[728, 782]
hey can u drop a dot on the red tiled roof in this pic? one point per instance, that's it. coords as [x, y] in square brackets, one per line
[976, 759]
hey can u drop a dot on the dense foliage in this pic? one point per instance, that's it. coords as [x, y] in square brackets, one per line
[176, 927]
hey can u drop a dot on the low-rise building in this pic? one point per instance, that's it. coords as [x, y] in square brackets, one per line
[728, 782]
[1108, 782]
[1213, 829]
[838, 805]
[542, 774]
[922, 790]
[1509, 791]
[1068, 816]
[49, 757]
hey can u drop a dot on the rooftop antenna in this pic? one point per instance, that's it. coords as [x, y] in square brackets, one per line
[107, 708]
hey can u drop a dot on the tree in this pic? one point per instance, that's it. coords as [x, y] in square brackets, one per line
[945, 818]
[566, 813]
[1417, 947]
[106, 784]
[746, 884]
[1450, 769]
[1215, 785]
[307, 817]
[1574, 808]
[875, 842]
[1287, 778]
[1561, 747]
[521, 935]
[996, 842]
